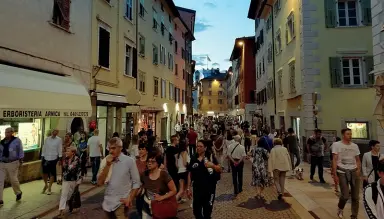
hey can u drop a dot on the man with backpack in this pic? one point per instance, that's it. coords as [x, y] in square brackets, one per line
[236, 155]
[374, 196]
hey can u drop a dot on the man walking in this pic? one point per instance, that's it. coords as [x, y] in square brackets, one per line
[316, 146]
[192, 138]
[290, 142]
[170, 159]
[236, 154]
[122, 177]
[95, 151]
[51, 153]
[346, 171]
[11, 157]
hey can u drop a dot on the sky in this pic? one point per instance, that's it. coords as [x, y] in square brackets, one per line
[218, 23]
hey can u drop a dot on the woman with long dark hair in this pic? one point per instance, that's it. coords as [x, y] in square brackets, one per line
[182, 160]
[204, 172]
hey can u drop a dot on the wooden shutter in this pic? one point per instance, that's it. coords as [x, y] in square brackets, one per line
[330, 13]
[134, 63]
[368, 64]
[335, 70]
[366, 12]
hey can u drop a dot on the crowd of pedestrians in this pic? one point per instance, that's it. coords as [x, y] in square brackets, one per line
[155, 177]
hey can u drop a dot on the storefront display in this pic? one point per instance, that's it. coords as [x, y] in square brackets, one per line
[359, 130]
[148, 119]
[27, 130]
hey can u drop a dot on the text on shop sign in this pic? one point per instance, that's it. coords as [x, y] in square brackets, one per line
[37, 114]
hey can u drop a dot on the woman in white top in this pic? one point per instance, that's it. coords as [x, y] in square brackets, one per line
[370, 163]
[279, 163]
[182, 160]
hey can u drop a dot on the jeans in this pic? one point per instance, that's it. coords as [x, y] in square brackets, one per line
[192, 149]
[237, 177]
[120, 213]
[95, 167]
[317, 161]
[294, 154]
[345, 182]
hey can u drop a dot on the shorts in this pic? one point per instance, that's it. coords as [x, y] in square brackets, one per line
[49, 167]
[183, 176]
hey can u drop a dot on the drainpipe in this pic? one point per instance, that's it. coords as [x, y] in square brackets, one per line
[137, 38]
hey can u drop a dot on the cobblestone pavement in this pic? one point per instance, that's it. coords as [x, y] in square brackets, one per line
[245, 206]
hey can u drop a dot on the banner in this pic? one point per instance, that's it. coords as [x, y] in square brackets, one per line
[19, 113]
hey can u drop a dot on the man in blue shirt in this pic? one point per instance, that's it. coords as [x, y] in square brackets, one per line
[11, 156]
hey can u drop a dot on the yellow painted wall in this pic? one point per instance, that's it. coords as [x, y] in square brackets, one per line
[122, 31]
[338, 103]
[160, 71]
[205, 106]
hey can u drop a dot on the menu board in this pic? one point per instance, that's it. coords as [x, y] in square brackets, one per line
[29, 135]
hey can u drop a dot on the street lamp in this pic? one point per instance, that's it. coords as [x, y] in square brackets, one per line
[241, 43]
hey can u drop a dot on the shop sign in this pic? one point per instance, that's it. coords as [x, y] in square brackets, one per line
[11, 113]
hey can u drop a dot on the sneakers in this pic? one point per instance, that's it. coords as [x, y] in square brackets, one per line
[93, 182]
[340, 213]
[18, 196]
[44, 189]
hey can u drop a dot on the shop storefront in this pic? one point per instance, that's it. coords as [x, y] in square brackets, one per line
[35, 103]
[147, 120]
[111, 116]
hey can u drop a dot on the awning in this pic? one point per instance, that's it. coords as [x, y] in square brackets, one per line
[111, 98]
[32, 94]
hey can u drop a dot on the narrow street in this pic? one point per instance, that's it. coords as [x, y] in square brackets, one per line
[244, 207]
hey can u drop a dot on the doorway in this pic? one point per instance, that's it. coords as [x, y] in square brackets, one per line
[77, 124]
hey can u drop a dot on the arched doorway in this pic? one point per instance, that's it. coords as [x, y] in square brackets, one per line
[76, 124]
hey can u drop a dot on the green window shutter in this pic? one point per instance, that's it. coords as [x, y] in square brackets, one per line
[366, 12]
[335, 70]
[368, 64]
[330, 13]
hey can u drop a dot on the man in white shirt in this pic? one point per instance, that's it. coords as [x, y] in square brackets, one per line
[121, 176]
[95, 151]
[346, 171]
[236, 155]
[51, 153]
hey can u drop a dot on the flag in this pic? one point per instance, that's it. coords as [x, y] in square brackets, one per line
[208, 58]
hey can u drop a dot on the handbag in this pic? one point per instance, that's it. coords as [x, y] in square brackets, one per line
[75, 200]
[164, 209]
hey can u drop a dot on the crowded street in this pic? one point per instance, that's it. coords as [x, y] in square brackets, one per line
[192, 109]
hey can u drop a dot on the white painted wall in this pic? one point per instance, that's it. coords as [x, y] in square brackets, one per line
[25, 27]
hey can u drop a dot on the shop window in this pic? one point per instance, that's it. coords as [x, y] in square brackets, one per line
[29, 131]
[359, 129]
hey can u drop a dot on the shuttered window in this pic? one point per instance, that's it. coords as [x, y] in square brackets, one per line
[345, 13]
[350, 72]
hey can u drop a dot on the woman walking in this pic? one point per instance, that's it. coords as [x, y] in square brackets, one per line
[71, 178]
[279, 163]
[159, 191]
[83, 145]
[66, 144]
[182, 161]
[370, 163]
[260, 176]
[204, 172]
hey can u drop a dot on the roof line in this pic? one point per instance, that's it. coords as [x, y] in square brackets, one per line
[186, 9]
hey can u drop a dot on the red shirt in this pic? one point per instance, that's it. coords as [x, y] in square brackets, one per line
[192, 137]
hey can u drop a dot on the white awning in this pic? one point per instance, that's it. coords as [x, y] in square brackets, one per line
[32, 94]
[111, 98]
